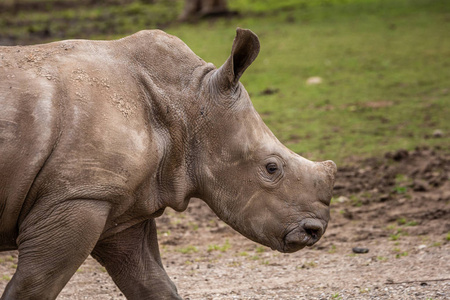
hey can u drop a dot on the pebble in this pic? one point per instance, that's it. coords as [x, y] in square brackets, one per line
[314, 80]
[438, 133]
[342, 199]
[360, 250]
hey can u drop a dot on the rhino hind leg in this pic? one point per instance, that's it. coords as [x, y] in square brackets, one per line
[132, 259]
[53, 242]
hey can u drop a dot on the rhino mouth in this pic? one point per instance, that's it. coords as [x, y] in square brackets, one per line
[305, 233]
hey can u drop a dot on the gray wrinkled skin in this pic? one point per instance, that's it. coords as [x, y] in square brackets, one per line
[97, 138]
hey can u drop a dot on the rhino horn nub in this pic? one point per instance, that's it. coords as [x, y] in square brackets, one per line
[244, 51]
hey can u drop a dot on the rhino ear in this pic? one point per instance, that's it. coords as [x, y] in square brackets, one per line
[244, 51]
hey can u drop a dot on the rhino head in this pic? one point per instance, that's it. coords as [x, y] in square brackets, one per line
[248, 178]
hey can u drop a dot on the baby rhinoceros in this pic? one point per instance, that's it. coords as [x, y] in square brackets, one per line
[97, 138]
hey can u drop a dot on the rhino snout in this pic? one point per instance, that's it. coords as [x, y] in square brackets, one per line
[306, 233]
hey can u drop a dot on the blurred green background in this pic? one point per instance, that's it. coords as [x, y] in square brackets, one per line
[383, 65]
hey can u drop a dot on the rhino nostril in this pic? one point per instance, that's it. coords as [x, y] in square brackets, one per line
[314, 229]
[313, 232]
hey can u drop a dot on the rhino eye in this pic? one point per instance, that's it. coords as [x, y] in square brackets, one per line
[271, 168]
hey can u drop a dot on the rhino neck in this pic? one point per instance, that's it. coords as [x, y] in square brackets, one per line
[175, 119]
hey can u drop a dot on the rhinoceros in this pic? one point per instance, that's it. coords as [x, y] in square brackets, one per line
[97, 138]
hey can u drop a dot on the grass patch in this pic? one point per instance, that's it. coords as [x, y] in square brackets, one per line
[404, 222]
[188, 250]
[193, 226]
[394, 237]
[355, 201]
[336, 296]
[222, 248]
[332, 249]
[261, 249]
[234, 264]
[399, 255]
[6, 277]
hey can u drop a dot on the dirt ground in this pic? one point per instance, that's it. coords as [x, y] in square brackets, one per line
[396, 206]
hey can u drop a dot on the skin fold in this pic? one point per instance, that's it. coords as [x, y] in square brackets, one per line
[97, 138]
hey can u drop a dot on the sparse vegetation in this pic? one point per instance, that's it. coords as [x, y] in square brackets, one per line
[332, 249]
[398, 255]
[336, 296]
[355, 201]
[400, 189]
[260, 249]
[234, 264]
[394, 237]
[193, 226]
[401, 221]
[222, 248]
[436, 244]
[188, 249]
[364, 290]
[405, 222]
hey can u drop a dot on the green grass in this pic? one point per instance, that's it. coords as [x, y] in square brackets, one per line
[222, 248]
[188, 249]
[385, 65]
[384, 71]
[6, 277]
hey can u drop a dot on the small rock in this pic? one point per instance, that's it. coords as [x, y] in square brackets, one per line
[359, 250]
[421, 247]
[314, 80]
[438, 134]
[342, 199]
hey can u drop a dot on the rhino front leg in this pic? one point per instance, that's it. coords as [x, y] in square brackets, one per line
[53, 242]
[132, 259]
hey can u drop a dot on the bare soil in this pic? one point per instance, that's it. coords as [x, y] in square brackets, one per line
[397, 207]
